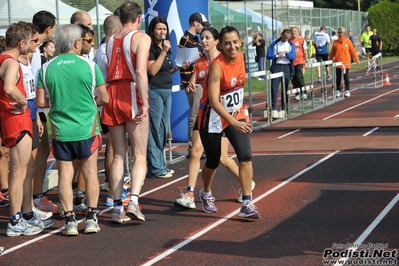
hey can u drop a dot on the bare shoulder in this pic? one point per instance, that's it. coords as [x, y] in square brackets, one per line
[142, 38]
[9, 65]
[141, 41]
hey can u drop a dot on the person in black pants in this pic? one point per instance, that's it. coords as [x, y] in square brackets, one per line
[260, 43]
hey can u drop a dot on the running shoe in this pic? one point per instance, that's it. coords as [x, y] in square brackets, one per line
[23, 228]
[347, 94]
[92, 226]
[71, 228]
[80, 208]
[47, 205]
[41, 214]
[329, 78]
[104, 186]
[167, 174]
[337, 93]
[133, 211]
[208, 202]
[4, 202]
[36, 221]
[126, 179]
[119, 216]
[248, 210]
[240, 191]
[109, 202]
[185, 201]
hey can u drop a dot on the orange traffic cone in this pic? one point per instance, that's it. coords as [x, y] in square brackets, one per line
[386, 81]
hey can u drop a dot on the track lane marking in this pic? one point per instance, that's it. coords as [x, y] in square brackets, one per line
[357, 105]
[371, 227]
[292, 132]
[371, 131]
[226, 218]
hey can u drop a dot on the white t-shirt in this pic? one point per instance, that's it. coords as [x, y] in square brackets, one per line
[282, 47]
[101, 59]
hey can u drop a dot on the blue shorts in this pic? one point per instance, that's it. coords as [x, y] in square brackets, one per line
[69, 151]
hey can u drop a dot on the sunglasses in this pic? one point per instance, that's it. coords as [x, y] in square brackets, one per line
[35, 40]
[88, 40]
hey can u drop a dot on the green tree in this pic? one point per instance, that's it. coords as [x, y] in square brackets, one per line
[382, 17]
[346, 4]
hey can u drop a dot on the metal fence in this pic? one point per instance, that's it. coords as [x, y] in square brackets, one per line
[221, 13]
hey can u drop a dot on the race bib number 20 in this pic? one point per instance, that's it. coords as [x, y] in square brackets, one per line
[232, 101]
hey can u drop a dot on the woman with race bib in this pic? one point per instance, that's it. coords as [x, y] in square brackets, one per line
[222, 110]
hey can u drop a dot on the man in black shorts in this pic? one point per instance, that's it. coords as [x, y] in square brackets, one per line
[321, 42]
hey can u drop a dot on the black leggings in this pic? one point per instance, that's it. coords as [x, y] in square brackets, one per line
[212, 146]
[339, 78]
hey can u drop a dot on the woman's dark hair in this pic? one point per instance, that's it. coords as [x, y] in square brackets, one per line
[227, 29]
[3, 45]
[213, 31]
[45, 44]
[151, 27]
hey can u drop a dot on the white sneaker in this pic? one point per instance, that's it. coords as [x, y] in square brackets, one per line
[337, 94]
[185, 201]
[240, 191]
[347, 94]
[134, 212]
[297, 97]
[305, 96]
[329, 78]
[41, 214]
[23, 228]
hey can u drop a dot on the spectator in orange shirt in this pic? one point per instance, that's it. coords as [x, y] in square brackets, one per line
[341, 51]
[300, 62]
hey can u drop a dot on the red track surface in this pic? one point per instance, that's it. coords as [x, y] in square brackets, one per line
[326, 182]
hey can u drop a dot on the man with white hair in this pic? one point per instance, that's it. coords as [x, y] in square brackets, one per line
[76, 131]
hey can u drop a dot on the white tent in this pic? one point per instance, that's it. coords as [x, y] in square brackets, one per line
[103, 13]
[258, 17]
[23, 10]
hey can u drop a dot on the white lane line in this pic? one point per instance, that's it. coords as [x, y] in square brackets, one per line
[371, 131]
[292, 132]
[396, 116]
[370, 228]
[224, 219]
[357, 105]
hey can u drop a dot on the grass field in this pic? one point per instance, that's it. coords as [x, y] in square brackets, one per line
[259, 85]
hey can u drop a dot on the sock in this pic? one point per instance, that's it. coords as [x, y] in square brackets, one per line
[118, 204]
[206, 194]
[134, 198]
[28, 215]
[91, 213]
[14, 218]
[246, 197]
[69, 216]
[190, 189]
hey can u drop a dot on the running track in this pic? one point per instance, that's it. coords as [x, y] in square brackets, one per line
[329, 176]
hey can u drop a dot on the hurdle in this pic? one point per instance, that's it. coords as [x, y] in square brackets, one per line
[377, 75]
